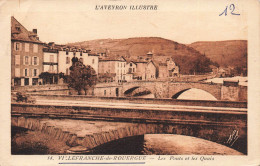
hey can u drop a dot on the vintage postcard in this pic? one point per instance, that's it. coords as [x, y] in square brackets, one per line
[130, 82]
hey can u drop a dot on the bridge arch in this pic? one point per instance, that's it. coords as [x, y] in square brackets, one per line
[220, 134]
[139, 91]
[92, 141]
[194, 94]
[130, 90]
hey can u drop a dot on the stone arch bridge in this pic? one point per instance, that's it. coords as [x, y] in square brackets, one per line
[162, 89]
[172, 90]
[224, 126]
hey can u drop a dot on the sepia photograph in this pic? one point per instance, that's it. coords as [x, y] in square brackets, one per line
[128, 78]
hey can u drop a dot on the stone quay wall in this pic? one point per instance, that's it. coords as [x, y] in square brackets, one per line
[212, 103]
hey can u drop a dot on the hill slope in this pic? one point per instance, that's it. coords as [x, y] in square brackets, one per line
[190, 57]
[232, 53]
[132, 48]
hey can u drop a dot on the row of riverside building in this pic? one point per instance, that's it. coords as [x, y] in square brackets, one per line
[31, 58]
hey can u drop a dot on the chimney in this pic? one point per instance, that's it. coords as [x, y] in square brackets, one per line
[35, 31]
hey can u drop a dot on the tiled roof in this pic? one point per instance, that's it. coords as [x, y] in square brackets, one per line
[19, 32]
[93, 55]
[121, 59]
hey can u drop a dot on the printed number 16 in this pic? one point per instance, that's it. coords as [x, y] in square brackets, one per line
[232, 8]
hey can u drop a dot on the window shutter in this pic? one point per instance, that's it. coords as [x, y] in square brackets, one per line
[17, 59]
[17, 72]
[24, 72]
[38, 60]
[29, 60]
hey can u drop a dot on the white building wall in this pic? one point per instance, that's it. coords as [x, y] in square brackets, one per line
[47, 57]
[62, 62]
[47, 68]
[87, 60]
[120, 70]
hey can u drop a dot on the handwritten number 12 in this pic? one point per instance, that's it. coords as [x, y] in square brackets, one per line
[232, 8]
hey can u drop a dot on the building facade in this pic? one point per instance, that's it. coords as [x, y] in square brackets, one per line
[173, 69]
[115, 67]
[145, 70]
[66, 54]
[50, 60]
[50, 64]
[168, 69]
[26, 55]
[150, 71]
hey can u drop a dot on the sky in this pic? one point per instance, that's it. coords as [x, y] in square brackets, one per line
[179, 20]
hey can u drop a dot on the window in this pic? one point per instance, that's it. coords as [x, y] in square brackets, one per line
[18, 29]
[81, 53]
[67, 71]
[130, 64]
[67, 60]
[34, 72]
[133, 69]
[26, 47]
[124, 64]
[17, 72]
[35, 81]
[105, 92]
[35, 60]
[25, 72]
[51, 58]
[35, 47]
[74, 53]
[17, 59]
[26, 81]
[93, 61]
[26, 60]
[130, 70]
[67, 52]
[17, 46]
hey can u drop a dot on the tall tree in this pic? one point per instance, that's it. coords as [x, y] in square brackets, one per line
[81, 77]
